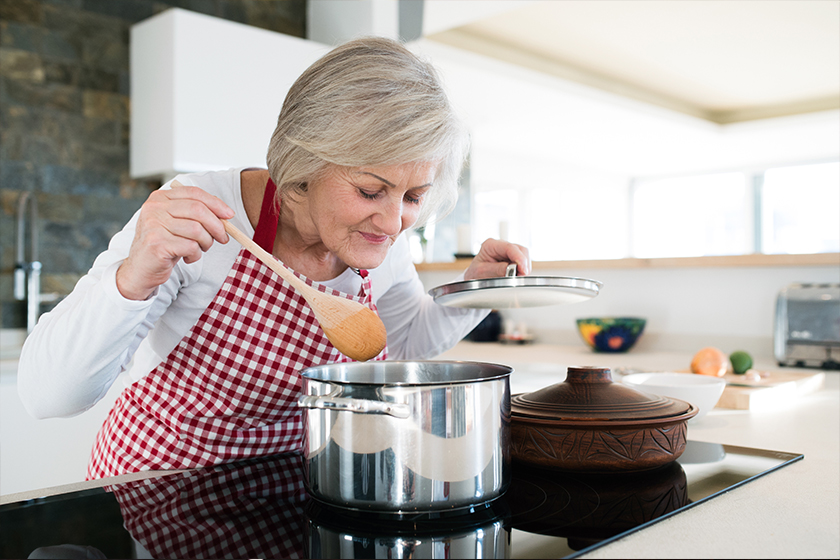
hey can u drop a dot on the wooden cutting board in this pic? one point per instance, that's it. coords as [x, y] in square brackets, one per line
[778, 389]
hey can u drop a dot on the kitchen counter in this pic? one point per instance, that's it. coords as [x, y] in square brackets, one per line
[793, 512]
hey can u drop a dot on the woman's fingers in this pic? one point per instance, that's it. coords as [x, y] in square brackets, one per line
[178, 223]
[494, 257]
[193, 220]
[193, 203]
[189, 212]
[488, 270]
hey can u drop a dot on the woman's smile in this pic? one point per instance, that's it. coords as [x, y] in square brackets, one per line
[375, 239]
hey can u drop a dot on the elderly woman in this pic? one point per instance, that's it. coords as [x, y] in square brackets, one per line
[366, 146]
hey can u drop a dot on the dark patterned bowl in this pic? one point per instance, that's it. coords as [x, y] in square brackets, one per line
[611, 334]
[588, 423]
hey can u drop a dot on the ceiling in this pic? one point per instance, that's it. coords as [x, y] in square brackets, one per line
[724, 61]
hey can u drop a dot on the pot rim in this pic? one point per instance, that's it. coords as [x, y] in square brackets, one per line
[407, 373]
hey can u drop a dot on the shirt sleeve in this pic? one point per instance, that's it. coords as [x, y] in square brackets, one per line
[77, 350]
[419, 328]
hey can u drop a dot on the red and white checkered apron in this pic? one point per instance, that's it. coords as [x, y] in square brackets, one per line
[229, 390]
[250, 509]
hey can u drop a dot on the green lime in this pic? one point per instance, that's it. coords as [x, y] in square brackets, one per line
[741, 361]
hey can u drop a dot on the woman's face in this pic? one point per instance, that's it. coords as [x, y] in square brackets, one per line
[358, 212]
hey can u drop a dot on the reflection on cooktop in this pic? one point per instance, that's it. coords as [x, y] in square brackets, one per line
[586, 509]
[259, 508]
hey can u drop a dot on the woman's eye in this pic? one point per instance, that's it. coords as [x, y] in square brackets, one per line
[368, 195]
[409, 197]
[415, 196]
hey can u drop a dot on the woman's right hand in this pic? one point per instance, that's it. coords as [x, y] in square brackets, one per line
[174, 224]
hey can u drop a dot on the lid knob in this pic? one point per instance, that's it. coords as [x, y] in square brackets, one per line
[588, 374]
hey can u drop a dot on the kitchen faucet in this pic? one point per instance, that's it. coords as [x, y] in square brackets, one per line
[28, 273]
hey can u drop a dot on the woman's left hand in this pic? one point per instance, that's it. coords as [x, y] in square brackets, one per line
[494, 257]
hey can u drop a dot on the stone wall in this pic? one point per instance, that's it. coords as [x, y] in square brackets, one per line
[64, 124]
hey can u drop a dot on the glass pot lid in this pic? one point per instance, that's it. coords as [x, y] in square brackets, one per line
[511, 291]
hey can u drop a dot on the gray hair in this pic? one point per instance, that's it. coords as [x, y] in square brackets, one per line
[369, 102]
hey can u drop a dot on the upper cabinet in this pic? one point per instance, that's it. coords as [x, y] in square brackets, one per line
[206, 92]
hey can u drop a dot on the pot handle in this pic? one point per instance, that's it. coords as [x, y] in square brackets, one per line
[362, 406]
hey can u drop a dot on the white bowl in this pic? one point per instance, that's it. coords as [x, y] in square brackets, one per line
[702, 391]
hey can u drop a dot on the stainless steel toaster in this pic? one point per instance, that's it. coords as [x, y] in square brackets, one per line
[807, 332]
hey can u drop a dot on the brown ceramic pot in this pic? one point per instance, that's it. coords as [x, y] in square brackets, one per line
[588, 423]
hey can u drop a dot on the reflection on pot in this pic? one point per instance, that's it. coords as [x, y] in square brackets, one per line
[587, 508]
[333, 533]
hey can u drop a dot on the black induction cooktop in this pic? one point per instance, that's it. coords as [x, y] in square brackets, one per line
[260, 509]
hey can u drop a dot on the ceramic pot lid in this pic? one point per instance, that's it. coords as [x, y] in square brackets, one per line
[511, 291]
[589, 397]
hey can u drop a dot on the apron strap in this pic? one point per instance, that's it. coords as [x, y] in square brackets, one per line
[269, 216]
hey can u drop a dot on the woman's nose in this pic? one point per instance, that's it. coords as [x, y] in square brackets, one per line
[390, 217]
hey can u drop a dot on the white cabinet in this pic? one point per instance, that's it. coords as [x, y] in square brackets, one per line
[206, 92]
[37, 454]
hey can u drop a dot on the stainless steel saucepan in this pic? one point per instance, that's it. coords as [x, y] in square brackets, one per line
[406, 436]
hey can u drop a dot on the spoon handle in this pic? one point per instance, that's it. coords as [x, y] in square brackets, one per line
[266, 258]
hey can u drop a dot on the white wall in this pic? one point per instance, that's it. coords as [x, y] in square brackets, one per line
[686, 309]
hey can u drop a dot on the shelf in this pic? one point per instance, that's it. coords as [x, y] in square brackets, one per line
[815, 259]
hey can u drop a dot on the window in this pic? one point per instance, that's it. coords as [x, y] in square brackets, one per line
[800, 209]
[582, 216]
[692, 216]
[493, 209]
[586, 221]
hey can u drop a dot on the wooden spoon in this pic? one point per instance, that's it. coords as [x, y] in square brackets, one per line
[355, 330]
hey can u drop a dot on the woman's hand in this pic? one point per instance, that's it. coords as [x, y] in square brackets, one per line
[494, 257]
[174, 224]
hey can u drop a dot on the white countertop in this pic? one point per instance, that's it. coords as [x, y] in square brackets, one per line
[790, 513]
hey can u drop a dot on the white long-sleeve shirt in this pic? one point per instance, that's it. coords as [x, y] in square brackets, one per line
[77, 350]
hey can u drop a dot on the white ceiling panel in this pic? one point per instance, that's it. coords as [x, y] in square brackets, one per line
[722, 60]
